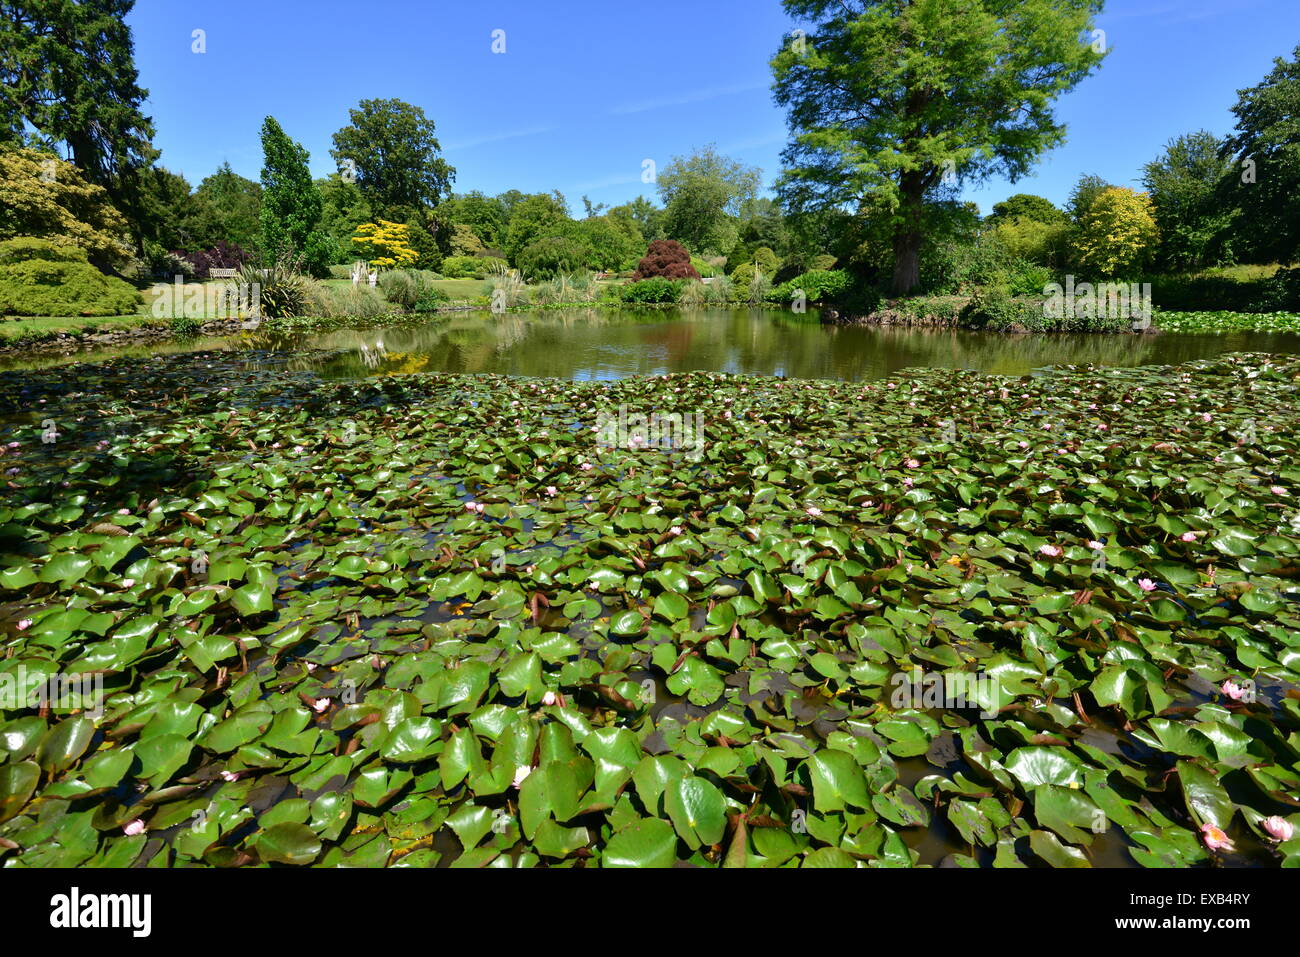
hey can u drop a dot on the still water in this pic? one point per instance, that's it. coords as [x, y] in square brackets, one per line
[610, 344]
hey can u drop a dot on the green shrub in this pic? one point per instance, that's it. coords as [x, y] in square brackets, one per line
[958, 267]
[405, 287]
[430, 299]
[343, 302]
[651, 291]
[940, 310]
[283, 288]
[25, 248]
[742, 276]
[471, 267]
[185, 325]
[749, 285]
[819, 285]
[1238, 291]
[40, 278]
[1046, 244]
[161, 263]
[1026, 278]
[1279, 292]
[549, 257]
[994, 307]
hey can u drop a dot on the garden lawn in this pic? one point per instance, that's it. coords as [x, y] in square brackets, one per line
[15, 330]
[424, 618]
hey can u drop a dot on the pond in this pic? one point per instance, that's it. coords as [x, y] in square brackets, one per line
[601, 344]
[337, 617]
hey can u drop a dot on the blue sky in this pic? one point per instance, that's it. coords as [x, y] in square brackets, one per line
[588, 89]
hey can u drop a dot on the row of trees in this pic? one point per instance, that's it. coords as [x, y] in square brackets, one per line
[894, 106]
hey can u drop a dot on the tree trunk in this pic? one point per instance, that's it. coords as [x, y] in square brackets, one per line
[908, 236]
[907, 261]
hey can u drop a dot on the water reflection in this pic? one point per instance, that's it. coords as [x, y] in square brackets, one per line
[608, 344]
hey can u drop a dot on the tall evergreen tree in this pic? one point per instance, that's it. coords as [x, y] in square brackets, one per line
[68, 80]
[291, 203]
[229, 209]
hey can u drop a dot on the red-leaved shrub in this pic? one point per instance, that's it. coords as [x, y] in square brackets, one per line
[667, 258]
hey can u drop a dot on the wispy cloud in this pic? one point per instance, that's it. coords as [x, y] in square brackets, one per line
[684, 99]
[757, 143]
[498, 137]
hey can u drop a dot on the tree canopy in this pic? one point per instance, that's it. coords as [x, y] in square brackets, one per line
[895, 97]
[46, 197]
[68, 80]
[291, 203]
[700, 192]
[1183, 183]
[1266, 147]
[398, 160]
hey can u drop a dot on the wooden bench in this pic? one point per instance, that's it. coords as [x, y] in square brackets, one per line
[222, 273]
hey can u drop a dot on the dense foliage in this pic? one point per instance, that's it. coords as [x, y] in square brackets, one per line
[42, 195]
[893, 99]
[43, 278]
[391, 150]
[291, 204]
[433, 622]
[668, 259]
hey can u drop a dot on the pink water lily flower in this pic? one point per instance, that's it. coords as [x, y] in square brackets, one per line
[813, 511]
[230, 775]
[1235, 691]
[1146, 584]
[1277, 490]
[132, 828]
[1279, 828]
[24, 624]
[1096, 546]
[1206, 417]
[320, 705]
[912, 464]
[1215, 839]
[1188, 536]
[550, 698]
[1052, 551]
[552, 491]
